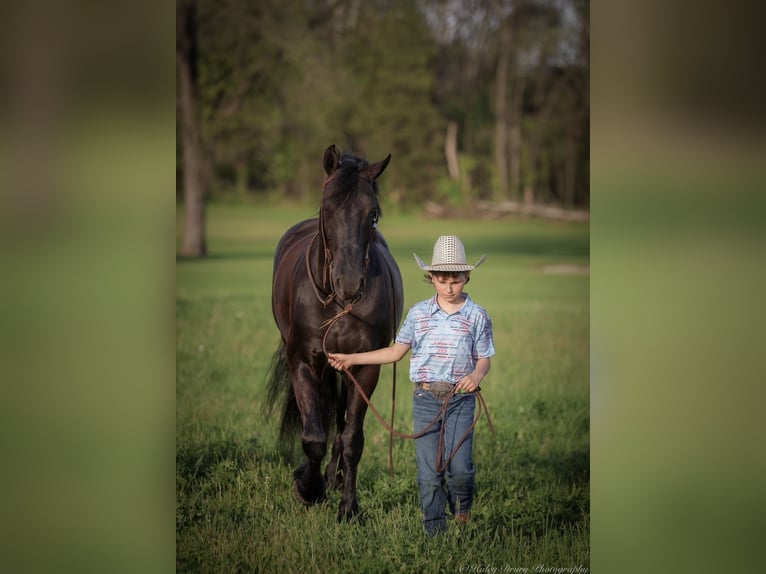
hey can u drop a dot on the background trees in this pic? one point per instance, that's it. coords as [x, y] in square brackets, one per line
[473, 98]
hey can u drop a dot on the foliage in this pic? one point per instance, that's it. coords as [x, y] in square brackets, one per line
[392, 109]
[281, 80]
[235, 508]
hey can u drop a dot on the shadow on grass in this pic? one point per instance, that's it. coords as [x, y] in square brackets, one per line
[548, 493]
[568, 468]
[197, 461]
[537, 493]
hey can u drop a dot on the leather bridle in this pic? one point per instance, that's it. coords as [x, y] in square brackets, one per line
[327, 263]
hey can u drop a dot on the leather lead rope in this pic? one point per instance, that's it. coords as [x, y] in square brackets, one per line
[389, 427]
[441, 414]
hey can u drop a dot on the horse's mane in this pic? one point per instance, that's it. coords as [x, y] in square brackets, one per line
[342, 186]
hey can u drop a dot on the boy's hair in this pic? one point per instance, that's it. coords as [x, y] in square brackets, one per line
[447, 275]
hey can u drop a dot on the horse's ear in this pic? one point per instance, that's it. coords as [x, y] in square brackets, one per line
[374, 170]
[330, 160]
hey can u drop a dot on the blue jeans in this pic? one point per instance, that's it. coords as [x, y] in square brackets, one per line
[458, 477]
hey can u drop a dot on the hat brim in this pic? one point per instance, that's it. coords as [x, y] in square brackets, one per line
[448, 266]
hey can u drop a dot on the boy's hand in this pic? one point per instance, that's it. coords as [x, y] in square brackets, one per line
[466, 385]
[338, 361]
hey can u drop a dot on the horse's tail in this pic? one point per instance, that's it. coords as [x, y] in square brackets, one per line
[280, 391]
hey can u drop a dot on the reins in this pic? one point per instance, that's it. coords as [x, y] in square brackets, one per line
[331, 296]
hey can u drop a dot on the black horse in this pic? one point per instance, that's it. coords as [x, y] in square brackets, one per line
[336, 288]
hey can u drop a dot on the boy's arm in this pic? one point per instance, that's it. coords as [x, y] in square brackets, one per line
[382, 356]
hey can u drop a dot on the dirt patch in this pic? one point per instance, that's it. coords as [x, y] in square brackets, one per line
[500, 209]
[563, 268]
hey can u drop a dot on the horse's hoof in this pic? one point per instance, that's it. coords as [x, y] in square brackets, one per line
[345, 517]
[305, 500]
[298, 495]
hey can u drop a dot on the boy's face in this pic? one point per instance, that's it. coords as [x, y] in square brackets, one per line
[449, 287]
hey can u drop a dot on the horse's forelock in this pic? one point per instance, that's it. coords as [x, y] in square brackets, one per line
[343, 184]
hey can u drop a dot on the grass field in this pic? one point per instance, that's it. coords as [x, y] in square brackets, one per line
[235, 507]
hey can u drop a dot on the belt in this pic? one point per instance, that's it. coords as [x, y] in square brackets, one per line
[439, 389]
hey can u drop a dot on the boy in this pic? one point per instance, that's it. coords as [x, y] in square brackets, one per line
[451, 340]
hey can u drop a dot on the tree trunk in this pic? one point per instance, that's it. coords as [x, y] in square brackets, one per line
[515, 115]
[570, 172]
[194, 243]
[450, 151]
[501, 122]
[242, 171]
[514, 158]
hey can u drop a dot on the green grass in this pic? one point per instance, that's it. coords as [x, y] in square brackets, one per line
[235, 507]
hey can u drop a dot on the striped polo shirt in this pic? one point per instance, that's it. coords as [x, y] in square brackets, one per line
[445, 347]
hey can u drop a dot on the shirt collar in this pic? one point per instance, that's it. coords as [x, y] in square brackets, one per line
[433, 305]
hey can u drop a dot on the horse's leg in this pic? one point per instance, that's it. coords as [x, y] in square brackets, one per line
[352, 439]
[309, 484]
[334, 470]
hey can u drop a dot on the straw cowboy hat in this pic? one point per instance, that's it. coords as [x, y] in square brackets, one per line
[449, 255]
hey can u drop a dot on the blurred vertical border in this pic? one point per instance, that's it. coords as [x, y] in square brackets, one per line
[678, 276]
[87, 199]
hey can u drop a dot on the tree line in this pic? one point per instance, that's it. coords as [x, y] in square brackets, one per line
[474, 99]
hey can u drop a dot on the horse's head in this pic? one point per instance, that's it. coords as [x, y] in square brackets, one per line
[348, 216]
